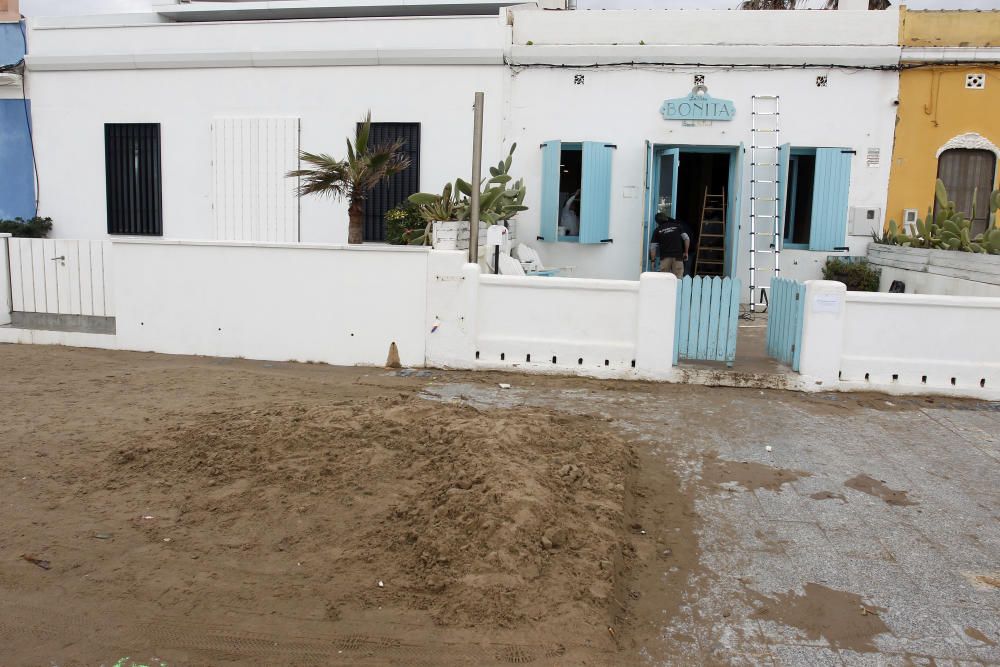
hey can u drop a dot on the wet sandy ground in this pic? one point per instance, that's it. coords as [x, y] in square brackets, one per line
[868, 534]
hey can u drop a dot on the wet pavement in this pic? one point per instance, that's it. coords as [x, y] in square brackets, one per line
[840, 529]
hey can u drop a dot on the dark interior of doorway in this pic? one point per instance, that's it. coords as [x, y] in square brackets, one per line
[798, 202]
[699, 173]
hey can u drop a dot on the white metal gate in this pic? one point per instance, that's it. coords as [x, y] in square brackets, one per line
[60, 276]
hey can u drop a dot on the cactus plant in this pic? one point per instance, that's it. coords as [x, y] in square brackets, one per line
[498, 202]
[949, 229]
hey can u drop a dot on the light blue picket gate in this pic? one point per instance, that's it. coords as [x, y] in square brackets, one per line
[784, 321]
[707, 314]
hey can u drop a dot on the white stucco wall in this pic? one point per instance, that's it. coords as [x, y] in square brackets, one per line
[185, 88]
[338, 305]
[621, 106]
[72, 107]
[686, 26]
[184, 75]
[58, 37]
[910, 341]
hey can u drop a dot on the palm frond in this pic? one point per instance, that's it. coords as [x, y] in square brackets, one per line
[365, 167]
[326, 177]
[363, 133]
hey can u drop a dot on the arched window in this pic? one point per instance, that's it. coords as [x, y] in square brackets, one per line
[965, 171]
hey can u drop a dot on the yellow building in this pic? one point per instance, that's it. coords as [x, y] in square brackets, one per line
[948, 123]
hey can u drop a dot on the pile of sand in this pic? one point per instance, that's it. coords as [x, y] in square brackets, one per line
[481, 518]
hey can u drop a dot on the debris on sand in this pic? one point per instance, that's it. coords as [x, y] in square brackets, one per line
[44, 564]
[392, 361]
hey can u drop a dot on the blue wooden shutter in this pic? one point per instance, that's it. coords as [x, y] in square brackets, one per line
[548, 222]
[781, 188]
[595, 194]
[735, 210]
[829, 207]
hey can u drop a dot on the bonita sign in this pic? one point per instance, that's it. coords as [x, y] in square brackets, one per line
[698, 105]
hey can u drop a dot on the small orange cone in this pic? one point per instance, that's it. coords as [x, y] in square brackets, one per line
[393, 360]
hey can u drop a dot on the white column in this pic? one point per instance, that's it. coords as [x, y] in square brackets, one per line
[452, 292]
[822, 332]
[5, 303]
[654, 353]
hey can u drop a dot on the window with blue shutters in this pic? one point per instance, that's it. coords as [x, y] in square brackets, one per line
[576, 192]
[816, 184]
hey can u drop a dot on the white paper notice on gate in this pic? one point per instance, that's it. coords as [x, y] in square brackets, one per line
[826, 303]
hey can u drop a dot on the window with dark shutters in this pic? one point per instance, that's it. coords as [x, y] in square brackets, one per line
[132, 170]
[394, 190]
[967, 174]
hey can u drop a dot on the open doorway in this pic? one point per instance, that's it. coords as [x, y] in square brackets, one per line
[700, 186]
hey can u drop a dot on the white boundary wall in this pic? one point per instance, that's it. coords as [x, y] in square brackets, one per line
[900, 343]
[595, 328]
[346, 305]
[333, 304]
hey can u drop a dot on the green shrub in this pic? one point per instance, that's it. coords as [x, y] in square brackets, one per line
[36, 228]
[858, 276]
[404, 224]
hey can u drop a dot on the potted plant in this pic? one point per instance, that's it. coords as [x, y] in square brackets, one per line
[442, 215]
[367, 164]
[447, 214]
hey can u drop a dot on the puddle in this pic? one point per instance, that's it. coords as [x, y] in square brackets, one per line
[984, 582]
[828, 495]
[979, 636]
[749, 475]
[878, 489]
[839, 617]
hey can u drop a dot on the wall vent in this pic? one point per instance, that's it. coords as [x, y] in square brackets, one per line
[975, 81]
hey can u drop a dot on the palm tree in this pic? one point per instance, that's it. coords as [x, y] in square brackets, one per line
[352, 179]
[769, 4]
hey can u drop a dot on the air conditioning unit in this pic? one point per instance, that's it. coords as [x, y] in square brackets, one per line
[910, 221]
[864, 220]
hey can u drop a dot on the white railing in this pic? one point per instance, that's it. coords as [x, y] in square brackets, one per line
[60, 276]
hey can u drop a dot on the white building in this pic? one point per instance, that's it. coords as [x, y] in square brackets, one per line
[183, 121]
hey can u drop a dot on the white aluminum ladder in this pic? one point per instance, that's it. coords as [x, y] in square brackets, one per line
[766, 205]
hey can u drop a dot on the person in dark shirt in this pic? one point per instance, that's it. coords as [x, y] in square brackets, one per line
[671, 243]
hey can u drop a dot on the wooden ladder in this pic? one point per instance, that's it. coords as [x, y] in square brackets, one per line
[710, 259]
